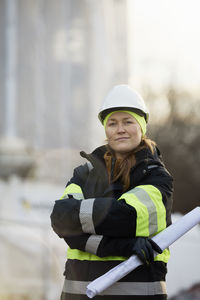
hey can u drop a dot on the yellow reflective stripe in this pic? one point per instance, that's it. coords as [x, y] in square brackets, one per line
[164, 256]
[151, 213]
[81, 255]
[156, 197]
[144, 197]
[142, 221]
[74, 190]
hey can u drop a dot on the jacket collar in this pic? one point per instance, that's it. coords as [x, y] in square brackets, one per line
[96, 157]
[145, 155]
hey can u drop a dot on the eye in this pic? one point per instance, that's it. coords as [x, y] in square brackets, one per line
[129, 122]
[111, 124]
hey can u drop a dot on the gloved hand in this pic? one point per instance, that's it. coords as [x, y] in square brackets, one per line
[144, 247]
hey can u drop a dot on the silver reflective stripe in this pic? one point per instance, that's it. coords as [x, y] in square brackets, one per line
[119, 288]
[85, 215]
[77, 196]
[93, 243]
[144, 197]
[152, 166]
[90, 166]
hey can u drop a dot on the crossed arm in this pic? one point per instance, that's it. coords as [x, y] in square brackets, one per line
[108, 226]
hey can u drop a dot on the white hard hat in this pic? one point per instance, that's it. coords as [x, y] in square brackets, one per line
[122, 97]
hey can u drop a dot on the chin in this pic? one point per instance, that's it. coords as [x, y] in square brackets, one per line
[123, 150]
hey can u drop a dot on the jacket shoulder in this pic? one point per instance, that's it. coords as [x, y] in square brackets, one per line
[81, 173]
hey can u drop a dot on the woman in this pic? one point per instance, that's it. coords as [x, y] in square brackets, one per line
[114, 204]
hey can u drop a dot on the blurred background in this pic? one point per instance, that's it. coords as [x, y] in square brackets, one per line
[58, 59]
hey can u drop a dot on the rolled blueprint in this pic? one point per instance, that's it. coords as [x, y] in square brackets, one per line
[164, 239]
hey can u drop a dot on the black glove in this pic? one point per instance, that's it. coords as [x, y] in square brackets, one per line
[144, 247]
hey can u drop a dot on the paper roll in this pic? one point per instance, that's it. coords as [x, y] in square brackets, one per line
[164, 239]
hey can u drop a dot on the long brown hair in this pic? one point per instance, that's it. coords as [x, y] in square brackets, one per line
[123, 166]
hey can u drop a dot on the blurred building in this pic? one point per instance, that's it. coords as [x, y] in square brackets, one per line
[58, 59]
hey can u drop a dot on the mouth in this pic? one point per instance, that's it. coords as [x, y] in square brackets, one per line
[122, 139]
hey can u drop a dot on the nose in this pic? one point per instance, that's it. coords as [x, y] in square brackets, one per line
[120, 128]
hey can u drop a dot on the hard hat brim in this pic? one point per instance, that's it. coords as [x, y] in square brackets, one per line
[105, 112]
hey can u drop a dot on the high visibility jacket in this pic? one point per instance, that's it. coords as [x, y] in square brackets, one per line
[100, 222]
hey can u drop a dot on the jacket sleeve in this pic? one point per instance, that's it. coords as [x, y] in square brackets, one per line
[102, 246]
[104, 216]
[141, 211]
[152, 202]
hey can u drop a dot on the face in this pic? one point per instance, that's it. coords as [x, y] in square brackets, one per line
[123, 133]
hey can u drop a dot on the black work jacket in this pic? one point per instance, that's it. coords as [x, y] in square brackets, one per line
[94, 182]
[114, 220]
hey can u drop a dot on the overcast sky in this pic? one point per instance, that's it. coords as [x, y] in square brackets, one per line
[164, 42]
